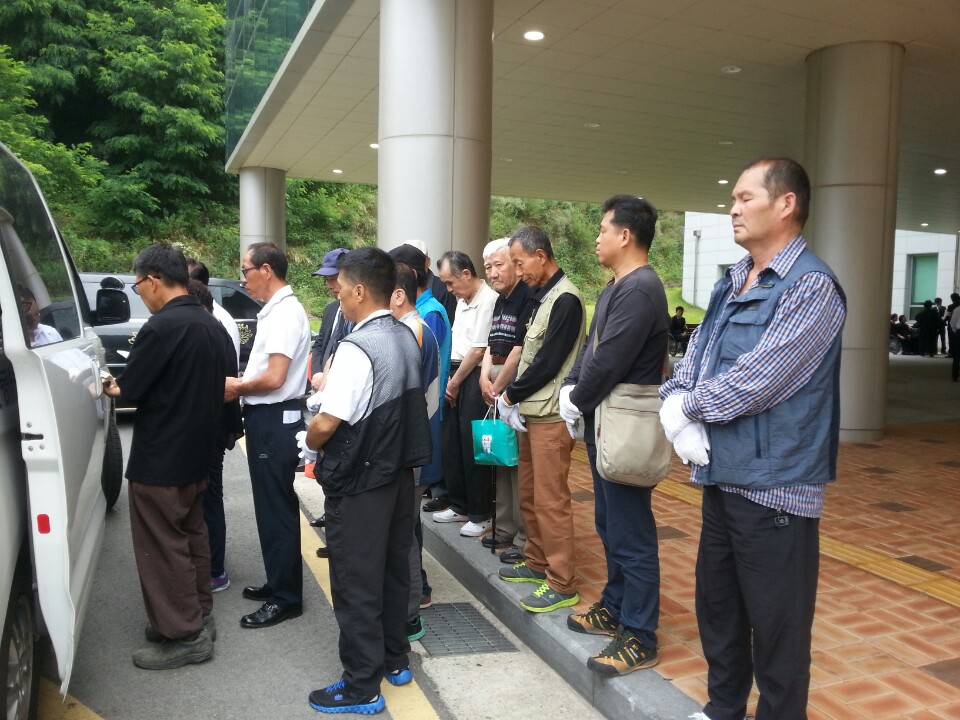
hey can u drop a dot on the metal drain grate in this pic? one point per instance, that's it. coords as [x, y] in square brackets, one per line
[460, 629]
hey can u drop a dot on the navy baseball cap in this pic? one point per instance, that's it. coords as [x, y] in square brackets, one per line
[329, 265]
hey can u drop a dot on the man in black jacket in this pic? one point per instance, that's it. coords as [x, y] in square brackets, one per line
[175, 377]
[332, 325]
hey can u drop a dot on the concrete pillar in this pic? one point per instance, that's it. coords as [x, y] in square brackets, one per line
[436, 88]
[851, 150]
[263, 207]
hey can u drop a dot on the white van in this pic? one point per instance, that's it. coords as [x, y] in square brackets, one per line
[59, 445]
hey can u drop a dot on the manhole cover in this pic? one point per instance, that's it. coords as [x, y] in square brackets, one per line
[459, 629]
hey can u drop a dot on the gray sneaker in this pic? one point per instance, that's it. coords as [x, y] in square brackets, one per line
[171, 654]
[209, 624]
[519, 572]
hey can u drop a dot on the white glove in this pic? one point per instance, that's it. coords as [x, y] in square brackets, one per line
[573, 429]
[568, 411]
[672, 417]
[692, 445]
[313, 402]
[306, 453]
[510, 414]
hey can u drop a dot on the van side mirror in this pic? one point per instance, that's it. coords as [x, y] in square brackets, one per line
[113, 306]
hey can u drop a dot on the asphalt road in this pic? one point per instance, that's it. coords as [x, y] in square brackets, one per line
[269, 673]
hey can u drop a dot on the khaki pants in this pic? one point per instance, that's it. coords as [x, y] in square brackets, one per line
[545, 503]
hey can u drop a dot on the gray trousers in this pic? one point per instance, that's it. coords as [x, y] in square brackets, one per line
[509, 520]
[415, 560]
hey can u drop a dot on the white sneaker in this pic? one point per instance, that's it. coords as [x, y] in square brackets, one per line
[474, 529]
[449, 515]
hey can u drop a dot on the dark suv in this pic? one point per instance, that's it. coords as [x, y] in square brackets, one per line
[118, 338]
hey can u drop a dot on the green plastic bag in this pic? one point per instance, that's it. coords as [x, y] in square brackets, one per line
[494, 442]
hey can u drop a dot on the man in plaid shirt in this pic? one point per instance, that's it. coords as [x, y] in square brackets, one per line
[754, 406]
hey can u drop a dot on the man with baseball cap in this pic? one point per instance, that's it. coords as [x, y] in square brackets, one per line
[332, 325]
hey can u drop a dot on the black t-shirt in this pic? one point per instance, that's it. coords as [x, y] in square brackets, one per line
[630, 321]
[175, 377]
[508, 326]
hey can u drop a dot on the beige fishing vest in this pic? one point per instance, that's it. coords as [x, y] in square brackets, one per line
[544, 404]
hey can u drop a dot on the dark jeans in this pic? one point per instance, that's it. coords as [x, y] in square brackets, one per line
[214, 516]
[628, 531]
[467, 484]
[369, 535]
[756, 594]
[273, 456]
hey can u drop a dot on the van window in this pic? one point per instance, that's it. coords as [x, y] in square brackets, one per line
[238, 304]
[28, 241]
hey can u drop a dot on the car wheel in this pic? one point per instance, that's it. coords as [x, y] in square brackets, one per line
[111, 480]
[19, 682]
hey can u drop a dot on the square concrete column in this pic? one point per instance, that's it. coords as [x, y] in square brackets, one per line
[436, 85]
[851, 151]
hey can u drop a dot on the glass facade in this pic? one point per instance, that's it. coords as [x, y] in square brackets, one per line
[259, 34]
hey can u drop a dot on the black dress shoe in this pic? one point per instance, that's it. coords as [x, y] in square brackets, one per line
[511, 556]
[319, 522]
[270, 614]
[498, 541]
[258, 592]
[323, 552]
[436, 505]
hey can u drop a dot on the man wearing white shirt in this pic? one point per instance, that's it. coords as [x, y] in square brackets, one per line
[373, 429]
[271, 387]
[468, 485]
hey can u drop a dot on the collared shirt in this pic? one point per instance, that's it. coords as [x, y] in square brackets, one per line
[229, 324]
[282, 328]
[44, 335]
[472, 326]
[349, 385]
[807, 319]
[508, 326]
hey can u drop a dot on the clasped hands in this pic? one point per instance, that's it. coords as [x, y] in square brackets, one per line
[689, 437]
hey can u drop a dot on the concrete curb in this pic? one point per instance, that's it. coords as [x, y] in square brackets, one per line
[642, 695]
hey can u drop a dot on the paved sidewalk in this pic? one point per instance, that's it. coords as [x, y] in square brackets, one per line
[887, 629]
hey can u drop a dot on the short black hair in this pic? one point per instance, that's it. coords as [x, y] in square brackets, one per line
[201, 292]
[372, 268]
[636, 215]
[938, 300]
[24, 292]
[266, 253]
[927, 304]
[531, 239]
[198, 271]
[407, 281]
[679, 307]
[955, 297]
[782, 175]
[457, 261]
[164, 261]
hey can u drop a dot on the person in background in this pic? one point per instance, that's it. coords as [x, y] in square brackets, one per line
[436, 285]
[333, 328]
[213, 513]
[678, 329]
[38, 333]
[942, 312]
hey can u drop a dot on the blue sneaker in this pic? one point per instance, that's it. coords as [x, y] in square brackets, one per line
[341, 698]
[219, 582]
[400, 677]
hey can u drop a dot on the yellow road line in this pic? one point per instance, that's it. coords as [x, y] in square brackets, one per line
[896, 571]
[51, 706]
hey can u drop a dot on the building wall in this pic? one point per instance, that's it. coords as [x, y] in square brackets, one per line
[703, 258]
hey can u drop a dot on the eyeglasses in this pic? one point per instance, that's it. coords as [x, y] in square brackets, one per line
[244, 271]
[136, 290]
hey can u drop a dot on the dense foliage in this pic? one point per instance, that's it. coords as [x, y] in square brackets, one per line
[117, 108]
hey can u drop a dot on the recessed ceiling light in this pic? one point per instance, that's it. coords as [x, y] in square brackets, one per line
[725, 142]
[506, 159]
[374, 145]
[722, 182]
[639, 198]
[533, 35]
[591, 124]
[337, 171]
[940, 171]
[620, 172]
[731, 69]
[721, 206]
[924, 224]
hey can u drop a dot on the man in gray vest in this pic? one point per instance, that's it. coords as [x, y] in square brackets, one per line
[373, 429]
[759, 390]
[531, 405]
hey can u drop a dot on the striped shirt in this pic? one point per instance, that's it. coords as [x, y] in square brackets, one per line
[808, 317]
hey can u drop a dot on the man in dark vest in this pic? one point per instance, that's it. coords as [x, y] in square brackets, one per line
[759, 389]
[373, 429]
